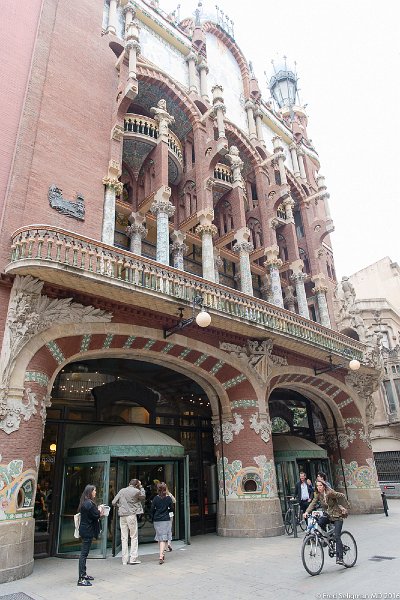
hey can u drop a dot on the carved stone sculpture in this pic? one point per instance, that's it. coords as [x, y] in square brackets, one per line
[76, 210]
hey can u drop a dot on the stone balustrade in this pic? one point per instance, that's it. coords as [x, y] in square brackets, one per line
[141, 125]
[223, 173]
[35, 249]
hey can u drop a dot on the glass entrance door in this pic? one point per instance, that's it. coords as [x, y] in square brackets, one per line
[78, 473]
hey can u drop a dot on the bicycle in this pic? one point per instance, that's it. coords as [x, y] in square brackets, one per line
[288, 518]
[312, 550]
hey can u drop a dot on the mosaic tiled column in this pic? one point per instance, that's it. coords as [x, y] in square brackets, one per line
[203, 70]
[320, 290]
[279, 158]
[207, 230]
[293, 154]
[136, 232]
[219, 109]
[112, 17]
[243, 247]
[258, 118]
[163, 209]
[298, 278]
[248, 502]
[191, 60]
[249, 107]
[178, 249]
[113, 188]
[273, 263]
[218, 264]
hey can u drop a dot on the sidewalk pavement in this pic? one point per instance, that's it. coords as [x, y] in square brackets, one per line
[220, 568]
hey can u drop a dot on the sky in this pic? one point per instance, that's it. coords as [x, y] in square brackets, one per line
[348, 62]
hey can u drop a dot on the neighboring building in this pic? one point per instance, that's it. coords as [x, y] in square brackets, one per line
[377, 288]
[146, 177]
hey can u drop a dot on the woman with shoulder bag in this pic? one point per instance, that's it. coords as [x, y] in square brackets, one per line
[161, 506]
[89, 528]
[333, 513]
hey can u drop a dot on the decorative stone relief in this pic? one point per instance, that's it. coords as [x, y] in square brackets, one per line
[76, 210]
[12, 480]
[30, 313]
[357, 476]
[262, 427]
[257, 355]
[234, 476]
[228, 430]
[365, 385]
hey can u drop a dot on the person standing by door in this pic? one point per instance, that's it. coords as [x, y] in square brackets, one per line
[129, 502]
[303, 492]
[89, 528]
[161, 506]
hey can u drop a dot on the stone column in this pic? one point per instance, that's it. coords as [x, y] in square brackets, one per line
[300, 157]
[273, 263]
[178, 248]
[298, 278]
[236, 166]
[293, 153]
[279, 157]
[219, 109]
[207, 230]
[289, 300]
[136, 231]
[132, 47]
[163, 209]
[258, 118]
[289, 203]
[243, 247]
[112, 18]
[320, 290]
[203, 70]
[113, 188]
[191, 61]
[129, 12]
[323, 195]
[249, 107]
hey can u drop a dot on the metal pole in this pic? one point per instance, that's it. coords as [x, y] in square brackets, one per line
[294, 518]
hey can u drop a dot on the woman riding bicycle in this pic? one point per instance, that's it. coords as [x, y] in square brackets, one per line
[333, 511]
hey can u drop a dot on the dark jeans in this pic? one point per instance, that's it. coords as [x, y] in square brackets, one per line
[86, 543]
[338, 524]
[304, 504]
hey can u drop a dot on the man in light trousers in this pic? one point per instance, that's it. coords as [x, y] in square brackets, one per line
[129, 502]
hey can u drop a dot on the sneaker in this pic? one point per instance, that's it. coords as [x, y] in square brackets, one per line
[88, 578]
[83, 582]
[135, 562]
[339, 561]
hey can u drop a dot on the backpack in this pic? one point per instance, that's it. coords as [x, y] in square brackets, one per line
[77, 522]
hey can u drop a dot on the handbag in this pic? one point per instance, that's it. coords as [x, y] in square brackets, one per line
[77, 522]
[171, 514]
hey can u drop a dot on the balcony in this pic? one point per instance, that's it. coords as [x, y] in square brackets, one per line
[223, 176]
[146, 129]
[64, 258]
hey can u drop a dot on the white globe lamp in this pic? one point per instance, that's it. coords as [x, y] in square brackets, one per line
[203, 319]
[354, 364]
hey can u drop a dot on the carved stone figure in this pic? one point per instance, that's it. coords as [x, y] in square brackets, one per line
[76, 210]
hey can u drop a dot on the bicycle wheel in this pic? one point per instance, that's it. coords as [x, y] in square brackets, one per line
[288, 522]
[349, 549]
[312, 554]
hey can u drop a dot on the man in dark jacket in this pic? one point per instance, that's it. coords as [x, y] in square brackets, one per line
[303, 492]
[129, 502]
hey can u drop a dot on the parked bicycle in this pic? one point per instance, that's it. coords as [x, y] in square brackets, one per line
[294, 506]
[315, 540]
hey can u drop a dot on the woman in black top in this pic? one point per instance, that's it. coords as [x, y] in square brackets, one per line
[89, 528]
[161, 506]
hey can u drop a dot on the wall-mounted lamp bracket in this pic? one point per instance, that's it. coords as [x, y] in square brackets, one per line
[353, 365]
[182, 323]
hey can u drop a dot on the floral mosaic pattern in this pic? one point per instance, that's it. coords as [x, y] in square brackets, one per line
[228, 429]
[12, 480]
[236, 475]
[359, 477]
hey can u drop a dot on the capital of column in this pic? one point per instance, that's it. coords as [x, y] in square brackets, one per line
[218, 106]
[178, 237]
[217, 92]
[129, 7]
[300, 151]
[202, 66]
[298, 277]
[206, 228]
[114, 184]
[162, 206]
[320, 283]
[179, 248]
[293, 146]
[243, 247]
[277, 143]
[320, 179]
[273, 260]
[191, 57]
[249, 104]
[277, 156]
[133, 45]
[135, 228]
